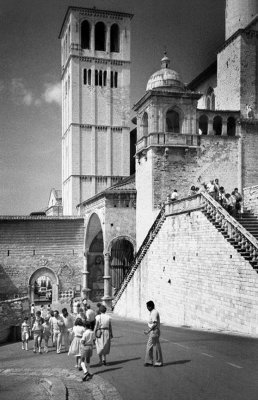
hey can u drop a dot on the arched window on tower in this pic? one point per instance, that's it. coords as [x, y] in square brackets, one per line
[85, 35]
[100, 36]
[172, 121]
[114, 38]
[203, 125]
[100, 78]
[231, 126]
[217, 125]
[145, 124]
[105, 78]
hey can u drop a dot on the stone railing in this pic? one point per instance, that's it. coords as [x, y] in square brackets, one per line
[141, 252]
[168, 139]
[184, 205]
[230, 227]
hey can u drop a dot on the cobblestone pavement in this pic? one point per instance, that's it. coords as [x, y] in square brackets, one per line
[54, 373]
[64, 384]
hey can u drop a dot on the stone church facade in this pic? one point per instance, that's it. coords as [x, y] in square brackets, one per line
[186, 135]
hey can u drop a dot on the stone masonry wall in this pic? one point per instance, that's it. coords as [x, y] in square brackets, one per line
[12, 313]
[195, 278]
[28, 245]
[251, 199]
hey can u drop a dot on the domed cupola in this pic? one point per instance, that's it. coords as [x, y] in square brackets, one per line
[165, 78]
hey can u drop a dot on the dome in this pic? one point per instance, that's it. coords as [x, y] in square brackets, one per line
[165, 78]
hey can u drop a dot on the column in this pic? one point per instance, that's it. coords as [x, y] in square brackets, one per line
[107, 299]
[85, 273]
[224, 127]
[210, 127]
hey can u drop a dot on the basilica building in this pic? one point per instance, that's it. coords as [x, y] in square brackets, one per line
[116, 179]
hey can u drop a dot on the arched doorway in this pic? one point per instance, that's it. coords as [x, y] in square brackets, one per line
[43, 286]
[95, 258]
[122, 255]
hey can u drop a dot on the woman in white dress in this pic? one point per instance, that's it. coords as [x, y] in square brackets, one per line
[103, 334]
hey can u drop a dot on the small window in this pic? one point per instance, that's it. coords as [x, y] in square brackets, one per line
[100, 36]
[96, 77]
[100, 78]
[114, 38]
[112, 79]
[144, 124]
[85, 35]
[115, 80]
[89, 76]
[105, 78]
[172, 121]
[85, 76]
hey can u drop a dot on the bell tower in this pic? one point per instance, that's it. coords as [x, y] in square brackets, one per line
[238, 14]
[95, 58]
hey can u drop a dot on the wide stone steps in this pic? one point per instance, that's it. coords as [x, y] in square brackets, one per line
[245, 222]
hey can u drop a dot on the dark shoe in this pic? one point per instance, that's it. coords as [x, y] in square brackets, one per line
[104, 362]
[148, 365]
[85, 376]
[79, 368]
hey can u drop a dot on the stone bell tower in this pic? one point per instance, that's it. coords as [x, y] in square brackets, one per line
[95, 102]
[237, 80]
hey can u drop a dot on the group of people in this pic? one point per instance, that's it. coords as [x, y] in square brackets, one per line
[77, 333]
[232, 202]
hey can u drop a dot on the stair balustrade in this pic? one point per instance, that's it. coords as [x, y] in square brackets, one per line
[242, 240]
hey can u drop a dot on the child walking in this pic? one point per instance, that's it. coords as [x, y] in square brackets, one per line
[46, 333]
[74, 349]
[25, 333]
[37, 334]
[86, 350]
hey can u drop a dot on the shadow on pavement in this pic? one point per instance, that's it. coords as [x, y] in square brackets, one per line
[105, 370]
[177, 362]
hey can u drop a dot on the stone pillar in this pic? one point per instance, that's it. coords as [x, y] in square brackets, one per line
[210, 127]
[85, 274]
[224, 128]
[107, 299]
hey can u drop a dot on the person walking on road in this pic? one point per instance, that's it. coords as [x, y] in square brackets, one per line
[90, 315]
[86, 350]
[75, 347]
[25, 333]
[67, 329]
[103, 333]
[153, 344]
[57, 324]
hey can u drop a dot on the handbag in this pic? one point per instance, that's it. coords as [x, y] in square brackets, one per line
[98, 333]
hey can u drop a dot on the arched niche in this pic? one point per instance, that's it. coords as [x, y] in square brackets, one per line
[48, 273]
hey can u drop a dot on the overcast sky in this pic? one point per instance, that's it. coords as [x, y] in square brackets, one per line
[30, 112]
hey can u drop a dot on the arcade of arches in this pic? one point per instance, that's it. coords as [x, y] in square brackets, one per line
[105, 265]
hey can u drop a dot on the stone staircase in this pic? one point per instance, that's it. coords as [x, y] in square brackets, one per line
[240, 232]
[249, 221]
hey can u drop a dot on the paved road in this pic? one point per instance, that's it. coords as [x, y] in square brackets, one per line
[197, 366]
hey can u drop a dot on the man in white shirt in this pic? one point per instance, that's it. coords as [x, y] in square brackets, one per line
[90, 315]
[57, 324]
[153, 344]
[67, 328]
[174, 195]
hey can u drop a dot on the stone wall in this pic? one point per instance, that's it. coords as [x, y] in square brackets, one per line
[195, 277]
[251, 199]
[12, 313]
[158, 176]
[31, 245]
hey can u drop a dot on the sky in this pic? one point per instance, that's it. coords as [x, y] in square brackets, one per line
[191, 31]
